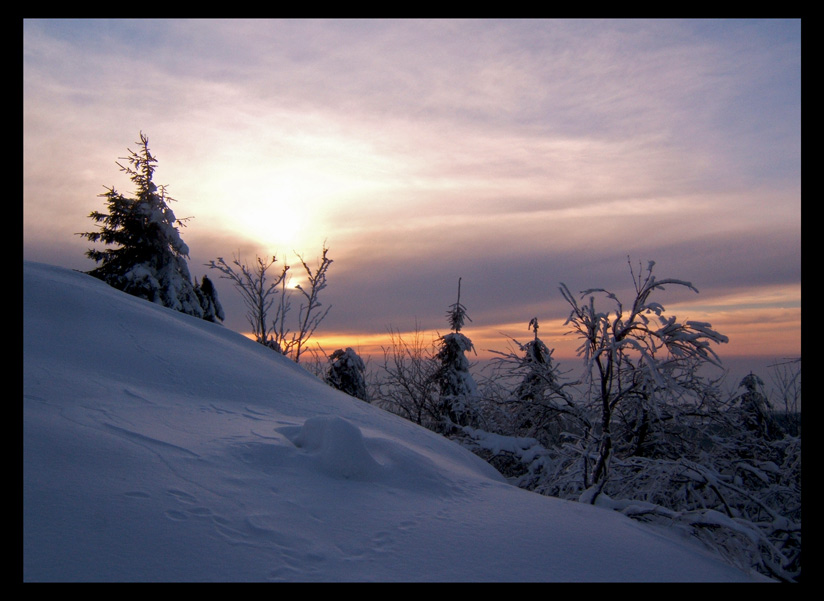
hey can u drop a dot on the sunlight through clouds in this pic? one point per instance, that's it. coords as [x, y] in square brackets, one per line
[512, 153]
[281, 207]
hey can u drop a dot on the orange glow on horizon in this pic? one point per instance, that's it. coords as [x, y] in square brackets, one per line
[746, 329]
[747, 319]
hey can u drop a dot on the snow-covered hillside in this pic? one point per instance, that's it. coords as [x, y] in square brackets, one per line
[161, 447]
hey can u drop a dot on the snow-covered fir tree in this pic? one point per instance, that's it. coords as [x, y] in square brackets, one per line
[346, 373]
[458, 390]
[539, 404]
[536, 364]
[148, 258]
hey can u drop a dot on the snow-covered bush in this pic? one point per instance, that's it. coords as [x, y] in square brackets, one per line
[207, 293]
[346, 373]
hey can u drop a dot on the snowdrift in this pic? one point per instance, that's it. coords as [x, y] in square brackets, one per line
[161, 447]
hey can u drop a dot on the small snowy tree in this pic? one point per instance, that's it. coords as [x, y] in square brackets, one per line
[526, 410]
[635, 356]
[346, 373]
[430, 383]
[540, 405]
[537, 365]
[149, 257]
[458, 390]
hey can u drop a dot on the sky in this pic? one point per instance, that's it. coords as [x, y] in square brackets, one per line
[237, 465]
[513, 154]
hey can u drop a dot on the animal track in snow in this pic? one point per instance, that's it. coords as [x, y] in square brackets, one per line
[182, 496]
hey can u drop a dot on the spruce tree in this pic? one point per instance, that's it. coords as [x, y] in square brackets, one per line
[457, 387]
[537, 366]
[148, 258]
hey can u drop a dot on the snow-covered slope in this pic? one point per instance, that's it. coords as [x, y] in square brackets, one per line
[157, 446]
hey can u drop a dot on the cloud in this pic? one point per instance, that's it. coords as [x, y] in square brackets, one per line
[514, 154]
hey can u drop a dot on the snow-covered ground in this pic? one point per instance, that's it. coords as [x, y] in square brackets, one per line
[160, 447]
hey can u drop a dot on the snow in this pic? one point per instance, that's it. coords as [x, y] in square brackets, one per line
[161, 447]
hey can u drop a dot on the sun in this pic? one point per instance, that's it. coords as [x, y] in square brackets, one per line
[283, 209]
[276, 223]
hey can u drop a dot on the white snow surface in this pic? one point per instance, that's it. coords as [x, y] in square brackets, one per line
[161, 447]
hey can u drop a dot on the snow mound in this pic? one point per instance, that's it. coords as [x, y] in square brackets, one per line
[339, 447]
